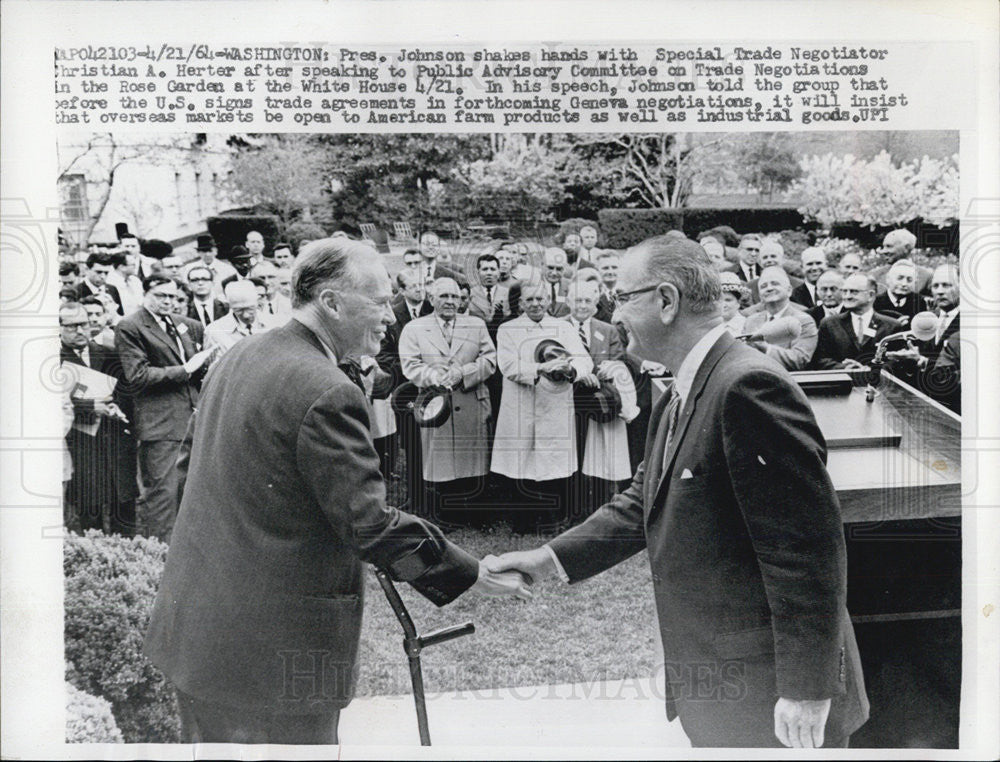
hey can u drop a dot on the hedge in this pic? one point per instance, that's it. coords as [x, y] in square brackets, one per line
[231, 230]
[943, 240]
[110, 585]
[622, 228]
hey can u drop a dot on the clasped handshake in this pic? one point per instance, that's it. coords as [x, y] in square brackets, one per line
[514, 573]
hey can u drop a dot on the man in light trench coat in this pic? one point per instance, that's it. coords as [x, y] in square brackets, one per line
[454, 351]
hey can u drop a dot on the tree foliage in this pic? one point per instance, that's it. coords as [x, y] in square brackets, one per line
[843, 189]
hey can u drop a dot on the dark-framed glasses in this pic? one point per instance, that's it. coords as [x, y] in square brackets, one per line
[624, 297]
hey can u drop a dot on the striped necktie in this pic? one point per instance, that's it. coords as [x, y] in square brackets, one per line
[673, 413]
[583, 336]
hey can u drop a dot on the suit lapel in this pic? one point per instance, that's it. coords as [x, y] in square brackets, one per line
[156, 332]
[718, 350]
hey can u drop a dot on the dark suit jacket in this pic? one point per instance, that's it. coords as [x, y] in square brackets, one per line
[913, 304]
[217, 307]
[103, 464]
[402, 312]
[282, 504]
[801, 295]
[941, 377]
[163, 393]
[818, 314]
[83, 289]
[747, 551]
[837, 341]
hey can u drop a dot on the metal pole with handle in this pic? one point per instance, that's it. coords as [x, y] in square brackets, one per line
[413, 644]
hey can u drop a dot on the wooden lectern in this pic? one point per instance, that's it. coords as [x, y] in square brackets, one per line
[896, 465]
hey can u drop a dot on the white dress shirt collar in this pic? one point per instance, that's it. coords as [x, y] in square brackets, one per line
[685, 375]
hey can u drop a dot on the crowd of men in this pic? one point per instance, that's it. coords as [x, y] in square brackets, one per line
[544, 410]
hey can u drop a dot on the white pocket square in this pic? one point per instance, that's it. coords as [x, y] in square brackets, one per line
[686, 474]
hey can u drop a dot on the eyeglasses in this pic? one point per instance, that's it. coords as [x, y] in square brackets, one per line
[624, 297]
[199, 280]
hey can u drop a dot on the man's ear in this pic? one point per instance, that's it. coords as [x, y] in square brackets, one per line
[670, 301]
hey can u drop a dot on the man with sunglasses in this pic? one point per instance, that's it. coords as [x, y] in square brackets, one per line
[741, 521]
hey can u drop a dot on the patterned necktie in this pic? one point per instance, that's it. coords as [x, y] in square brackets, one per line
[583, 337]
[171, 330]
[489, 295]
[673, 413]
[449, 331]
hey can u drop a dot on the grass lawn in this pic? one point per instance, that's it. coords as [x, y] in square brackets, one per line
[596, 630]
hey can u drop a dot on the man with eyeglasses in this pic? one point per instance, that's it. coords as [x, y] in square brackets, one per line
[163, 363]
[204, 307]
[849, 339]
[100, 484]
[456, 352]
[747, 269]
[740, 519]
[241, 321]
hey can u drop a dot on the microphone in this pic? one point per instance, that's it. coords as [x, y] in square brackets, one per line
[923, 327]
[773, 331]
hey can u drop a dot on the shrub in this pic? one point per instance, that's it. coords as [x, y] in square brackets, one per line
[231, 230]
[110, 585]
[622, 228]
[303, 230]
[759, 219]
[89, 718]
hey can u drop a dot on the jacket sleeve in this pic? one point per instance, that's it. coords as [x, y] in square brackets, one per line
[776, 458]
[509, 359]
[411, 360]
[613, 533]
[476, 372]
[827, 357]
[800, 354]
[139, 373]
[337, 459]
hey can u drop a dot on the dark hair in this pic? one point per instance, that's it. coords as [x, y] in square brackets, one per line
[154, 280]
[91, 299]
[257, 281]
[463, 286]
[281, 245]
[411, 250]
[724, 234]
[487, 257]
[117, 259]
[69, 268]
[181, 285]
[325, 263]
[100, 258]
[206, 268]
[69, 293]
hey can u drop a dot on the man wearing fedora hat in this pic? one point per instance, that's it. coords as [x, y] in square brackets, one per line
[454, 352]
[242, 262]
[207, 258]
